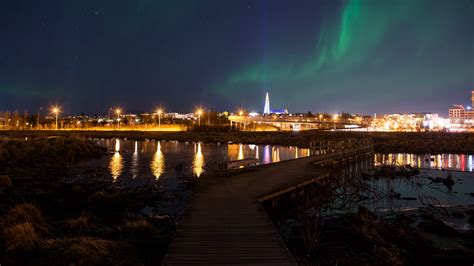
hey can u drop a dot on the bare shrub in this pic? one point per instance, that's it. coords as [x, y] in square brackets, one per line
[21, 236]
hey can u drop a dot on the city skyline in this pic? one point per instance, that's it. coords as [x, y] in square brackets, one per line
[320, 56]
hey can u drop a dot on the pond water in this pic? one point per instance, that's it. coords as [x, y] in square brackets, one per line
[461, 162]
[137, 163]
[354, 188]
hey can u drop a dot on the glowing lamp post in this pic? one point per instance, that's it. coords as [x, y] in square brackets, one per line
[159, 111]
[336, 116]
[55, 110]
[118, 112]
[199, 113]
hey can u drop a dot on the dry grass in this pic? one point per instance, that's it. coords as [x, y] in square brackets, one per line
[84, 221]
[21, 236]
[25, 213]
[84, 250]
[140, 225]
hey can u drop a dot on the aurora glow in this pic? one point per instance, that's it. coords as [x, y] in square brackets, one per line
[357, 56]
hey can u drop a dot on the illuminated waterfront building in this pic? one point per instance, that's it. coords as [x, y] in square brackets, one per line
[472, 98]
[459, 114]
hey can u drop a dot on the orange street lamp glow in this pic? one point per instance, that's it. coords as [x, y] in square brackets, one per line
[199, 113]
[159, 111]
[118, 111]
[56, 110]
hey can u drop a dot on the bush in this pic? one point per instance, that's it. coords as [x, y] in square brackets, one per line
[87, 251]
[140, 225]
[25, 213]
[84, 221]
[21, 236]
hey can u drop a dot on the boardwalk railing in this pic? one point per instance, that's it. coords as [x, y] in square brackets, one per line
[347, 149]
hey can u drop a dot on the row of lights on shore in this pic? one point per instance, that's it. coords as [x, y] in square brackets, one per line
[56, 110]
[159, 111]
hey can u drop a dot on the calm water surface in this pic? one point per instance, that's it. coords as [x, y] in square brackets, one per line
[167, 163]
[460, 162]
[378, 193]
[170, 162]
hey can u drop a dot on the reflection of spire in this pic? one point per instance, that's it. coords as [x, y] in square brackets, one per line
[157, 164]
[198, 163]
[256, 153]
[469, 163]
[266, 109]
[296, 153]
[116, 162]
[266, 154]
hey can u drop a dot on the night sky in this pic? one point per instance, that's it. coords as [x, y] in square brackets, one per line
[373, 56]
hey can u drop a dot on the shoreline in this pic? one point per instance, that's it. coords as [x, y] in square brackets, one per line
[384, 142]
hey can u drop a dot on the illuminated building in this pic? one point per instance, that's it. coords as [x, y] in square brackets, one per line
[472, 98]
[266, 108]
[459, 114]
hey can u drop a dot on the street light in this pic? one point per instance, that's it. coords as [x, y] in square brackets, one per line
[159, 111]
[199, 113]
[241, 112]
[118, 111]
[55, 110]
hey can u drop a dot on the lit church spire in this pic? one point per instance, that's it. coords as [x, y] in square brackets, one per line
[266, 109]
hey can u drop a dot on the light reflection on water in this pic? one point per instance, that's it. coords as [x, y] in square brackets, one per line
[136, 163]
[355, 189]
[116, 162]
[198, 163]
[460, 162]
[157, 165]
[134, 167]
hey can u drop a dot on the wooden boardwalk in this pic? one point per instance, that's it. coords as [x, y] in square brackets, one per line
[225, 223]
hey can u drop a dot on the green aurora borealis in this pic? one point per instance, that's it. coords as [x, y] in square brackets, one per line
[365, 56]
[373, 51]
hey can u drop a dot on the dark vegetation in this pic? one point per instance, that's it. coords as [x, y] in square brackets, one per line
[328, 224]
[392, 142]
[47, 220]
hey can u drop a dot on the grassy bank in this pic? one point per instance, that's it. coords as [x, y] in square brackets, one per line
[47, 220]
[391, 142]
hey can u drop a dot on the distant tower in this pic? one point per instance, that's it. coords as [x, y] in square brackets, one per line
[266, 109]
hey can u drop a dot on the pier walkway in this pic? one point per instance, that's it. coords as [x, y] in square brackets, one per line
[225, 223]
